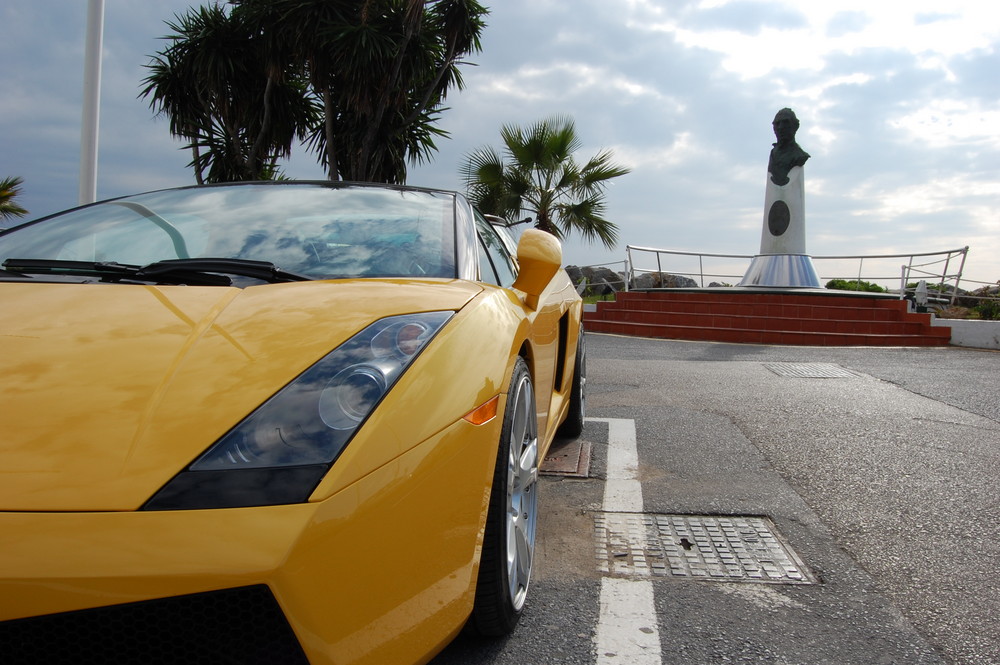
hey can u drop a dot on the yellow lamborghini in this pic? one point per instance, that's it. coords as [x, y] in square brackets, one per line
[274, 423]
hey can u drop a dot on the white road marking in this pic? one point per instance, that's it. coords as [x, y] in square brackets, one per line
[622, 491]
[627, 632]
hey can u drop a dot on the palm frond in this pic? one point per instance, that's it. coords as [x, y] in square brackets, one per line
[536, 173]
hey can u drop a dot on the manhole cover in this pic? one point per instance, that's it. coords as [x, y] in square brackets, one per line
[810, 370]
[725, 549]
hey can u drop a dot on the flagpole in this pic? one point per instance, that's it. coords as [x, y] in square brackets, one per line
[91, 101]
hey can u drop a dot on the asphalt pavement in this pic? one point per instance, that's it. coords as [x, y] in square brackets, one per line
[877, 468]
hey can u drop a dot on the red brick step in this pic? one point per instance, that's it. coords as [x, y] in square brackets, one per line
[814, 317]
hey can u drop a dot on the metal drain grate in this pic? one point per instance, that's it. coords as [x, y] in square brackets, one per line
[569, 459]
[727, 549]
[810, 370]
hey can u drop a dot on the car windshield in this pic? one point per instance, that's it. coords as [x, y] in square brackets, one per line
[316, 230]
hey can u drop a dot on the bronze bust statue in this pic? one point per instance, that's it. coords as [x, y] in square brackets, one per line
[786, 153]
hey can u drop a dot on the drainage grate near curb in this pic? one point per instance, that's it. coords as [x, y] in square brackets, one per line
[569, 459]
[810, 370]
[725, 549]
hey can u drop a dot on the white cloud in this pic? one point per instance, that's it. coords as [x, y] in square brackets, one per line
[917, 27]
[681, 150]
[943, 123]
[535, 83]
[929, 198]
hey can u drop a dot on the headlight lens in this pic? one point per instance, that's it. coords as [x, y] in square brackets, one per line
[350, 396]
[281, 450]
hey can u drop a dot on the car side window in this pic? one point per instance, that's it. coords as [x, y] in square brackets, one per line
[494, 256]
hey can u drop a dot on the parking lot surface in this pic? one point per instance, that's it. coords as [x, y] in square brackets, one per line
[874, 468]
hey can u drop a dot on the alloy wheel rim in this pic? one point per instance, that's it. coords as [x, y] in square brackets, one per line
[522, 495]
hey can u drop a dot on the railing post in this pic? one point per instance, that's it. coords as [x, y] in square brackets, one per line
[902, 282]
[628, 267]
[961, 269]
[944, 277]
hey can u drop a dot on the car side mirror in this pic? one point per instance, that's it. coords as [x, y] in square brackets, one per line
[539, 256]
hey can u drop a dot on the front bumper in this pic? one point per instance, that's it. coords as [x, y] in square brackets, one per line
[381, 571]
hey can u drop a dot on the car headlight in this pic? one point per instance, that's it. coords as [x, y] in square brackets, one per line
[279, 452]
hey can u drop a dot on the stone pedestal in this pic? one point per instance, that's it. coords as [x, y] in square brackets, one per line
[782, 261]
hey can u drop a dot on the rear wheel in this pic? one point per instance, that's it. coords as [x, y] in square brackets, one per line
[509, 541]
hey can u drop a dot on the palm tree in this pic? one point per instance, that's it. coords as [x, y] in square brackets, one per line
[382, 69]
[9, 189]
[237, 104]
[537, 174]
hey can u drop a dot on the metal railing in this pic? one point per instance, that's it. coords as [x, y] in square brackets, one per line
[942, 268]
[614, 284]
[982, 293]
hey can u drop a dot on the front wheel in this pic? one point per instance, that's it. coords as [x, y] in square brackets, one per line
[509, 541]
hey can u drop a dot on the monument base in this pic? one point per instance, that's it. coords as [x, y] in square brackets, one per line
[781, 270]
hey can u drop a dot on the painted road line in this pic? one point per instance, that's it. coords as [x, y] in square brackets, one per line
[627, 631]
[622, 491]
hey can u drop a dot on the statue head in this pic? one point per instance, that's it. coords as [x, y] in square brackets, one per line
[785, 125]
[786, 153]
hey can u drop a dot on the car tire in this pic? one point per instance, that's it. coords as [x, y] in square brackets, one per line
[509, 540]
[572, 427]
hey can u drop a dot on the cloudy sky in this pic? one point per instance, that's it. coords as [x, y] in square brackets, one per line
[899, 103]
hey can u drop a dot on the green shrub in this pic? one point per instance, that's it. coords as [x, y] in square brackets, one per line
[855, 285]
[988, 310]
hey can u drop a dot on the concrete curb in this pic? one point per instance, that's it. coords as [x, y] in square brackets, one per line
[971, 333]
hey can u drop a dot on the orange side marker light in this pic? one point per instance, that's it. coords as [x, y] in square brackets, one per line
[483, 413]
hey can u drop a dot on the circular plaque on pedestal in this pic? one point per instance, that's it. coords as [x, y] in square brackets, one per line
[778, 218]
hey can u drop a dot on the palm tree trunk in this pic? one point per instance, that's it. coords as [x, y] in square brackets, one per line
[542, 223]
[265, 129]
[199, 176]
[414, 17]
[545, 226]
[333, 168]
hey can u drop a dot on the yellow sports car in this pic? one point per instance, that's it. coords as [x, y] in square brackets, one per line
[274, 423]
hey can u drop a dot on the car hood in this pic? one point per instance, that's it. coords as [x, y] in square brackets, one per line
[109, 390]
